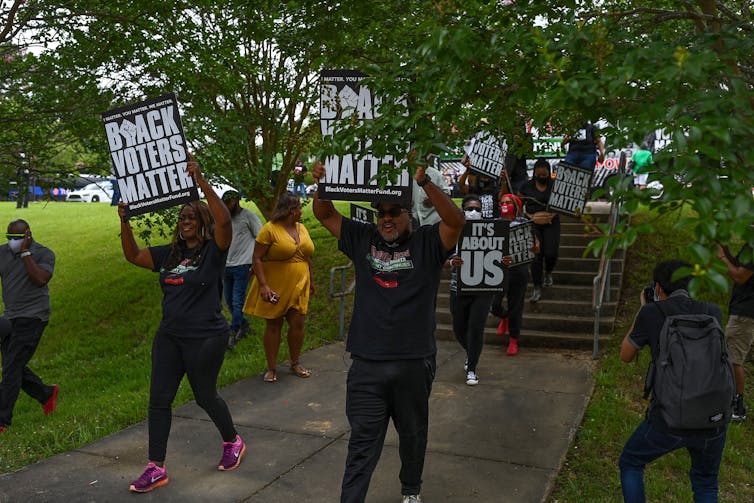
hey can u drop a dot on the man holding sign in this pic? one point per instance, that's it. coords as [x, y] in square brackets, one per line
[391, 337]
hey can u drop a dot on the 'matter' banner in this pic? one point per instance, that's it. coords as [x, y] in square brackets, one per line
[520, 243]
[351, 176]
[570, 189]
[487, 155]
[361, 214]
[148, 154]
[482, 245]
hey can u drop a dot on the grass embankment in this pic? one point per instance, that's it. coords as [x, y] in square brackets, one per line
[591, 472]
[104, 315]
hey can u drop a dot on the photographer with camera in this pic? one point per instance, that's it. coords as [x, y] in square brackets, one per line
[697, 367]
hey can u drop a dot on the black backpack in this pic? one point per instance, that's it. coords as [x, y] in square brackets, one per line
[692, 377]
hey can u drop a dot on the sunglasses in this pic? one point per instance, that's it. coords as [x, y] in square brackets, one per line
[14, 237]
[472, 208]
[393, 212]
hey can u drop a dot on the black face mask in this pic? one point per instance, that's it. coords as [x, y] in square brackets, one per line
[542, 179]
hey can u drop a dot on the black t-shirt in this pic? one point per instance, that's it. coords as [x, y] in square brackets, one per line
[396, 289]
[583, 140]
[647, 329]
[534, 200]
[192, 291]
[742, 299]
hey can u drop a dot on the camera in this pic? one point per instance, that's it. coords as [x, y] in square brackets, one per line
[649, 293]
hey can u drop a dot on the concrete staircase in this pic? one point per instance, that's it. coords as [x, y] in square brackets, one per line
[564, 316]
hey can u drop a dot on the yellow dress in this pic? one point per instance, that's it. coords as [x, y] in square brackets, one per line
[286, 269]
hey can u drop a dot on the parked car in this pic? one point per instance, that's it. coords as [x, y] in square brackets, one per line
[98, 192]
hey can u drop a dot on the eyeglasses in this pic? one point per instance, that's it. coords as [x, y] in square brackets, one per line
[393, 212]
[14, 237]
[472, 208]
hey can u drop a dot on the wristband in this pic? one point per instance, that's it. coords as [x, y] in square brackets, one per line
[424, 181]
[25, 254]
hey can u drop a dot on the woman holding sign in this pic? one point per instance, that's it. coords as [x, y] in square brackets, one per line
[536, 193]
[193, 333]
[282, 282]
[516, 278]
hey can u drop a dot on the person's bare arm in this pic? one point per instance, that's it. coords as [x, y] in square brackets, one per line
[36, 274]
[131, 251]
[738, 273]
[260, 250]
[452, 218]
[325, 211]
[223, 228]
[627, 350]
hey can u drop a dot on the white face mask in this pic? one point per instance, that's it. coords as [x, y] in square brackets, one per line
[15, 245]
[473, 214]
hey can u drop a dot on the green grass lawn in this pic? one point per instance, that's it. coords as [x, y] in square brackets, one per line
[104, 315]
[105, 312]
[590, 473]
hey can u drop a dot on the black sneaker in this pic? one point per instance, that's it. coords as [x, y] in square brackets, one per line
[739, 410]
[232, 339]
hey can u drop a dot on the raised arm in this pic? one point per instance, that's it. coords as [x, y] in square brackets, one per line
[325, 212]
[737, 272]
[131, 251]
[223, 227]
[452, 217]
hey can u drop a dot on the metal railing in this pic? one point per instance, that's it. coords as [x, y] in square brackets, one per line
[342, 293]
[601, 283]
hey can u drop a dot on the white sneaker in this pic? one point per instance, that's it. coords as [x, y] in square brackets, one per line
[412, 498]
[471, 378]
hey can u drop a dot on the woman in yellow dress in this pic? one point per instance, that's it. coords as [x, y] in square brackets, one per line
[282, 282]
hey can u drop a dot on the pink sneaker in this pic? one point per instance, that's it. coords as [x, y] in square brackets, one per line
[232, 454]
[512, 346]
[152, 478]
[502, 327]
[52, 403]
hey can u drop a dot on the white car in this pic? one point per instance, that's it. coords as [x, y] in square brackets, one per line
[99, 192]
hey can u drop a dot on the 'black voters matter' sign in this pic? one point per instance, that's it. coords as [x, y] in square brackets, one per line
[351, 176]
[520, 243]
[487, 155]
[361, 214]
[482, 245]
[148, 154]
[570, 189]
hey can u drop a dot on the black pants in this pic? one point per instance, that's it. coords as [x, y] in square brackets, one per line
[549, 244]
[377, 391]
[18, 347]
[200, 360]
[514, 288]
[469, 316]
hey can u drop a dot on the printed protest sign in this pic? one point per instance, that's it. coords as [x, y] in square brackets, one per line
[148, 155]
[482, 245]
[520, 243]
[361, 214]
[350, 176]
[487, 154]
[570, 189]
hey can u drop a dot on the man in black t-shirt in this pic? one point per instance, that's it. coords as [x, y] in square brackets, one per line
[740, 330]
[653, 438]
[391, 337]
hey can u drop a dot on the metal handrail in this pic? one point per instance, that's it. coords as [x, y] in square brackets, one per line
[342, 293]
[601, 282]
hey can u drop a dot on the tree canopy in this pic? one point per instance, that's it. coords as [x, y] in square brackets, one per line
[246, 75]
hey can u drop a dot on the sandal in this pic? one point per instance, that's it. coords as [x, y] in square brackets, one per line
[298, 370]
[270, 376]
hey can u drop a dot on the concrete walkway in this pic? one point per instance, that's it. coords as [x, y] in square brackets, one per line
[501, 441]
